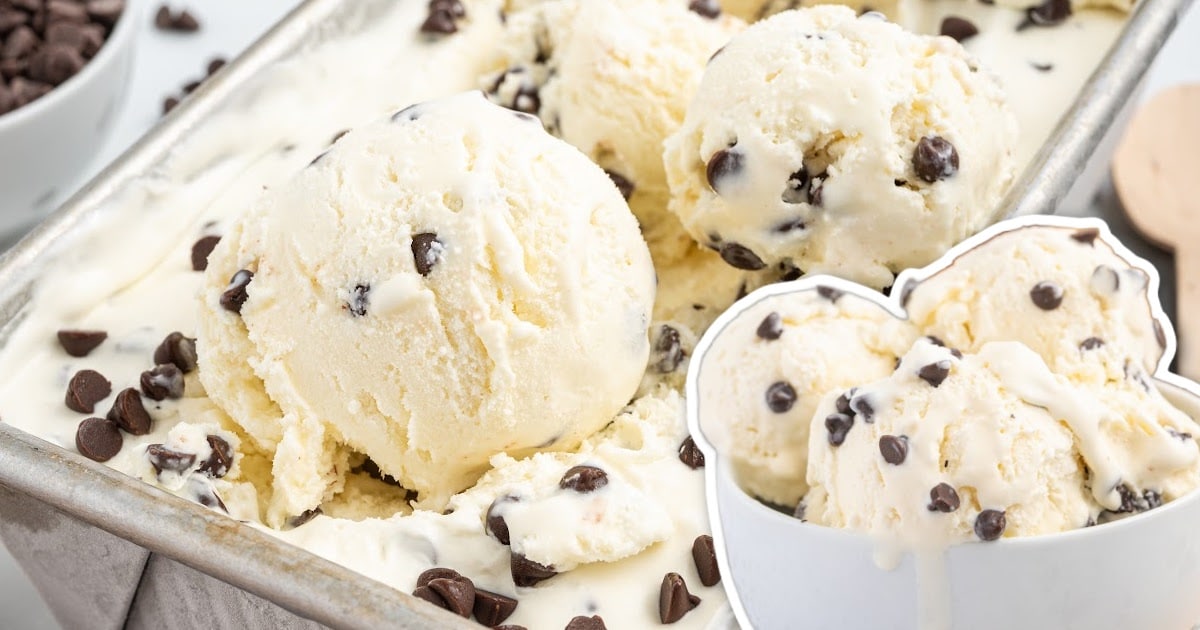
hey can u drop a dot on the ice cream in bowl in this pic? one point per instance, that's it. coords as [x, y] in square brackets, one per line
[997, 444]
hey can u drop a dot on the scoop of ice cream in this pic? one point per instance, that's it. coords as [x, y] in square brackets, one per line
[763, 376]
[1063, 292]
[840, 144]
[438, 288]
[612, 78]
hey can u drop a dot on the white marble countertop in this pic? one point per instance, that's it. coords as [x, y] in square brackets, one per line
[166, 61]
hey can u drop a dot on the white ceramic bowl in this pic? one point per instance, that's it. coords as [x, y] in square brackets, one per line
[46, 145]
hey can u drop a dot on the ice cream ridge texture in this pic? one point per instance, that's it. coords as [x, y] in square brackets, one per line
[436, 289]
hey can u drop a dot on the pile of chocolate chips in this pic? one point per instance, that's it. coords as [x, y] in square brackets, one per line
[45, 42]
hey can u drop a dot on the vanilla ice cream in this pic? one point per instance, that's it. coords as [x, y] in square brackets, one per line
[765, 373]
[466, 271]
[840, 144]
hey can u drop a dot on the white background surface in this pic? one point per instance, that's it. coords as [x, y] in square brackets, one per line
[166, 61]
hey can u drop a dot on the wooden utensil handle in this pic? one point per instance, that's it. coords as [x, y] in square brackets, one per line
[1187, 307]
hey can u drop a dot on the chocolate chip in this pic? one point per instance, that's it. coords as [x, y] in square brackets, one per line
[1047, 295]
[427, 594]
[792, 225]
[943, 498]
[935, 373]
[181, 22]
[704, 554]
[236, 293]
[20, 43]
[781, 396]
[1087, 237]
[191, 86]
[11, 18]
[169, 103]
[218, 463]
[740, 257]
[586, 623]
[863, 407]
[1160, 335]
[1179, 435]
[178, 350]
[935, 159]
[162, 382]
[1048, 13]
[771, 327]
[129, 414]
[1132, 502]
[209, 499]
[86, 388]
[668, 350]
[201, 250]
[494, 523]
[427, 252]
[526, 572]
[1041, 67]
[491, 609]
[843, 403]
[800, 512]
[359, 299]
[894, 449]
[214, 66]
[706, 8]
[85, 39]
[458, 594]
[674, 600]
[303, 518]
[990, 524]
[1091, 343]
[722, 165]
[583, 479]
[624, 185]
[838, 425]
[960, 29]
[690, 454]
[163, 458]
[98, 439]
[437, 573]
[80, 343]
[1105, 280]
[816, 190]
[830, 293]
[796, 189]
[441, 19]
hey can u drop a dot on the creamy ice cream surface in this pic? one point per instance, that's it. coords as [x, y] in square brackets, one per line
[840, 144]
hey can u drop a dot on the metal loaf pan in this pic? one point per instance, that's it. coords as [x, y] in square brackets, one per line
[107, 551]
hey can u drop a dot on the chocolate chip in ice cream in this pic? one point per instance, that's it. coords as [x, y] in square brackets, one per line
[791, 225]
[181, 22]
[1087, 236]
[796, 189]
[1048, 13]
[704, 554]
[219, 461]
[935, 373]
[129, 413]
[935, 159]
[583, 479]
[80, 343]
[162, 382]
[690, 454]
[1041, 66]
[668, 350]
[843, 403]
[303, 518]
[1179, 435]
[359, 298]
[427, 252]
[706, 8]
[781, 396]
[1091, 343]
[178, 350]
[458, 594]
[771, 327]
[838, 425]
[494, 523]
[943, 498]
[526, 572]
[443, 17]
[98, 439]
[894, 449]
[491, 609]
[723, 165]
[623, 184]
[862, 406]
[990, 524]
[741, 257]
[163, 458]
[235, 293]
[436, 573]
[1047, 295]
[674, 600]
[1133, 502]
[816, 189]
[201, 250]
[595, 622]
[830, 293]
[85, 389]
[960, 29]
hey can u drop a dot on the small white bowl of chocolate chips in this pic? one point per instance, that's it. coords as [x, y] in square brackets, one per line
[64, 67]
